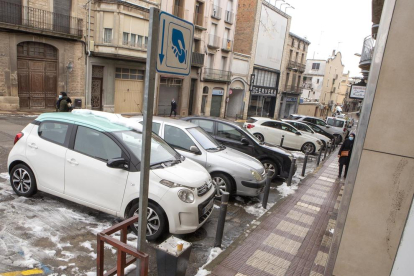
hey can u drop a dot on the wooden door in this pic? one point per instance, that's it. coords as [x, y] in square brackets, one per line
[129, 95]
[96, 91]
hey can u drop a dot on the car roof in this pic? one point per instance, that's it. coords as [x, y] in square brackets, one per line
[101, 122]
[170, 121]
[335, 118]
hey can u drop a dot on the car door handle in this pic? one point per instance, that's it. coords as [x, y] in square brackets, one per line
[72, 161]
[33, 145]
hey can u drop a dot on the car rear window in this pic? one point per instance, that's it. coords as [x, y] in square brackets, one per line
[294, 117]
[335, 123]
[251, 120]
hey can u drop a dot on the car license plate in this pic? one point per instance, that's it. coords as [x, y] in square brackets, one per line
[208, 206]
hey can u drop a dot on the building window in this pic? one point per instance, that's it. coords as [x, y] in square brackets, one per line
[303, 56]
[317, 81]
[139, 42]
[107, 35]
[146, 42]
[299, 45]
[293, 43]
[133, 39]
[315, 66]
[265, 78]
[304, 47]
[129, 74]
[125, 38]
[223, 63]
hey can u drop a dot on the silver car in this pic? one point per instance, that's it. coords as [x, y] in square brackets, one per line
[231, 170]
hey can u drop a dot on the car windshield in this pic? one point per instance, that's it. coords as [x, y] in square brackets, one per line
[205, 140]
[335, 123]
[161, 152]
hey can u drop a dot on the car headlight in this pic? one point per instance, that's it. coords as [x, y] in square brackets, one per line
[256, 175]
[186, 195]
[171, 184]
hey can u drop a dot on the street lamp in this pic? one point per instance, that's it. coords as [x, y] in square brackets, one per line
[69, 68]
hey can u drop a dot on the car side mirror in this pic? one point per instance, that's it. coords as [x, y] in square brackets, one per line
[298, 133]
[244, 141]
[117, 163]
[195, 150]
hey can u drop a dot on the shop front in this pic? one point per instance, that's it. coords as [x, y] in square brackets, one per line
[289, 104]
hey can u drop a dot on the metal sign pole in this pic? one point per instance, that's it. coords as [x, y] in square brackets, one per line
[150, 74]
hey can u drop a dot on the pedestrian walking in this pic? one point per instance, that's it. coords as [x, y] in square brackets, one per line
[64, 103]
[173, 107]
[344, 154]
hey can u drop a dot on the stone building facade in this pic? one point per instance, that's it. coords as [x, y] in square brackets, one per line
[41, 52]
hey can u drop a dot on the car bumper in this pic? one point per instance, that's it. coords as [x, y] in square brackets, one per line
[188, 217]
[252, 188]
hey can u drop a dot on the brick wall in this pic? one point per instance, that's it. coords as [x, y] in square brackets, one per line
[246, 18]
[4, 64]
[39, 4]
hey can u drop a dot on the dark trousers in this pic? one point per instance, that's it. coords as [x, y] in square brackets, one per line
[343, 161]
[173, 110]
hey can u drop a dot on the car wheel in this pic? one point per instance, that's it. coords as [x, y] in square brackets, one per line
[308, 147]
[259, 136]
[156, 220]
[271, 167]
[23, 180]
[222, 183]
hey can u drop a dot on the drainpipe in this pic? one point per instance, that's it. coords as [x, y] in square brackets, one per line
[87, 86]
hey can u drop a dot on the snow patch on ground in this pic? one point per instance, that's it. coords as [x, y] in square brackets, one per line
[87, 245]
[298, 154]
[130, 268]
[257, 209]
[285, 190]
[202, 272]
[5, 175]
[214, 252]
[93, 255]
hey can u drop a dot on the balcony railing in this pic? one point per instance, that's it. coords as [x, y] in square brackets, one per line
[227, 45]
[293, 89]
[228, 17]
[198, 19]
[293, 65]
[33, 18]
[367, 51]
[216, 12]
[213, 41]
[217, 75]
[197, 59]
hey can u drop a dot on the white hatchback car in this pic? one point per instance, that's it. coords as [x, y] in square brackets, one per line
[271, 131]
[92, 158]
[304, 128]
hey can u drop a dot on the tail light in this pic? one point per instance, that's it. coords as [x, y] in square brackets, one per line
[344, 129]
[249, 126]
[18, 136]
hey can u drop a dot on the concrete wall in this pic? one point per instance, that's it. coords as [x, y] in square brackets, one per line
[308, 109]
[383, 183]
[334, 67]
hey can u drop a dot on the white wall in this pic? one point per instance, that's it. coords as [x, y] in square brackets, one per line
[240, 66]
[309, 70]
[271, 39]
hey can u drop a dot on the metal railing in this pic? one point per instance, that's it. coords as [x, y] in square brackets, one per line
[197, 59]
[198, 19]
[227, 45]
[213, 41]
[367, 50]
[228, 17]
[216, 12]
[217, 75]
[293, 89]
[20, 15]
[293, 65]
[123, 249]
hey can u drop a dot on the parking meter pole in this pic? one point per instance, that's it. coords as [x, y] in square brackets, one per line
[221, 219]
[292, 167]
[266, 190]
[281, 140]
[304, 164]
[150, 74]
[319, 157]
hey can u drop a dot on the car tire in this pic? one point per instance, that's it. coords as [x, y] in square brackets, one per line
[224, 182]
[272, 166]
[308, 147]
[156, 219]
[259, 136]
[23, 181]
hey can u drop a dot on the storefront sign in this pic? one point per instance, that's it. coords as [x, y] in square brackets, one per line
[263, 90]
[357, 92]
[218, 92]
[291, 99]
[252, 77]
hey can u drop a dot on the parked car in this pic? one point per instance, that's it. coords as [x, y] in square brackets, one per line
[271, 131]
[231, 170]
[320, 130]
[340, 135]
[304, 128]
[275, 159]
[339, 124]
[93, 158]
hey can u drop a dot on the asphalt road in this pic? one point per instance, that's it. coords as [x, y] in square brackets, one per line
[60, 236]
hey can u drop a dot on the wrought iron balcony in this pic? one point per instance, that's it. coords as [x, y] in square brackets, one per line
[197, 59]
[213, 41]
[216, 12]
[227, 45]
[15, 16]
[217, 75]
[367, 53]
[229, 17]
[296, 66]
[292, 89]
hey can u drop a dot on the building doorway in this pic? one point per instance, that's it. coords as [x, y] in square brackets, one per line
[216, 99]
[192, 96]
[37, 75]
[263, 106]
[169, 89]
[96, 91]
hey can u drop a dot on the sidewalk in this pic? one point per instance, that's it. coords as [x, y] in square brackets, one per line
[294, 236]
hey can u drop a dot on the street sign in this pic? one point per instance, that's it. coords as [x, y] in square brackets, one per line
[357, 92]
[175, 45]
